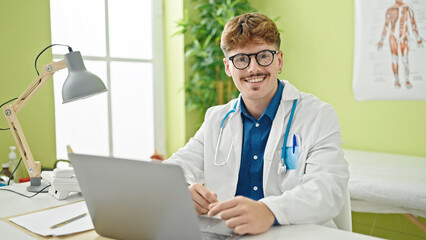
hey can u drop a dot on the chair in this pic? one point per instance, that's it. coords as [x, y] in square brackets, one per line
[343, 220]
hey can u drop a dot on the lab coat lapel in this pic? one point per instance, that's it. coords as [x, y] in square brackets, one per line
[278, 128]
[236, 132]
[277, 131]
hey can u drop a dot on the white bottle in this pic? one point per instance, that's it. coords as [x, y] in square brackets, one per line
[12, 158]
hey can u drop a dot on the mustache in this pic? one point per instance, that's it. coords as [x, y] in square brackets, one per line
[256, 75]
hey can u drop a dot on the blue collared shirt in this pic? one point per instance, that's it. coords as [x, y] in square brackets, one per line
[255, 137]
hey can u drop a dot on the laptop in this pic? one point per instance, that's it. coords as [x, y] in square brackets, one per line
[133, 199]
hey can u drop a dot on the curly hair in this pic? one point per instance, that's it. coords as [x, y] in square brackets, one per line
[249, 28]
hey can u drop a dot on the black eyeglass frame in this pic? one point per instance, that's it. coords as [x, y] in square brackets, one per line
[255, 57]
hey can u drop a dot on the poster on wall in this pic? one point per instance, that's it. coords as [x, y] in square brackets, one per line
[390, 50]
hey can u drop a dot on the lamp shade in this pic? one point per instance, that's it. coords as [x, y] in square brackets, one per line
[80, 83]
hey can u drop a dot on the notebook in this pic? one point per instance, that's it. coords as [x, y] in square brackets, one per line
[133, 199]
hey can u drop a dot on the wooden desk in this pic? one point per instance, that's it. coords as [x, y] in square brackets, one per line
[12, 204]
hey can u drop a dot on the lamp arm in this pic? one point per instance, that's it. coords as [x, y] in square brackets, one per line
[48, 71]
[11, 111]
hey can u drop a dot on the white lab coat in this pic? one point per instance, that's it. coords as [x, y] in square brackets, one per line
[314, 192]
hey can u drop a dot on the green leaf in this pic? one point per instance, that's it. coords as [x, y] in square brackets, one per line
[205, 25]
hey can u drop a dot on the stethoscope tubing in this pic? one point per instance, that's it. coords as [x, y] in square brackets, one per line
[282, 167]
[227, 115]
[219, 140]
[287, 131]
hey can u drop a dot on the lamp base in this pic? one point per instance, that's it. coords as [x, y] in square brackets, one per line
[36, 185]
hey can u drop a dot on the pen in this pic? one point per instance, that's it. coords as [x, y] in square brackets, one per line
[294, 142]
[68, 221]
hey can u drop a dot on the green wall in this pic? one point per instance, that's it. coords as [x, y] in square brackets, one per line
[174, 76]
[318, 49]
[24, 32]
[318, 41]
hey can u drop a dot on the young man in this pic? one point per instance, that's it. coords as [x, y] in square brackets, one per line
[234, 163]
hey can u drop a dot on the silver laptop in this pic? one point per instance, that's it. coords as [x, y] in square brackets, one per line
[132, 199]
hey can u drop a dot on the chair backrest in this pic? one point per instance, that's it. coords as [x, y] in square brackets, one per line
[343, 220]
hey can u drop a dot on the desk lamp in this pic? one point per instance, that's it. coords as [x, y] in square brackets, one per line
[79, 84]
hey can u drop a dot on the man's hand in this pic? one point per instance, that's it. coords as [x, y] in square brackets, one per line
[201, 197]
[244, 215]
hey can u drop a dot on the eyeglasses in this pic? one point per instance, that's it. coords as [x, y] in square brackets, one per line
[264, 58]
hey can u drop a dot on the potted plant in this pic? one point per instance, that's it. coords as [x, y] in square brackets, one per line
[208, 83]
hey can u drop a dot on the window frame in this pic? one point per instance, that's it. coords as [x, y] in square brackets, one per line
[157, 62]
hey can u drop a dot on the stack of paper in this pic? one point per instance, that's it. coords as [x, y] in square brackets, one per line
[41, 222]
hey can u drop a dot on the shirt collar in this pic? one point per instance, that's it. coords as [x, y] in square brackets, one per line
[290, 92]
[272, 108]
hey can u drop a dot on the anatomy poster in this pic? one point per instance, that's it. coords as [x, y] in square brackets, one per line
[390, 50]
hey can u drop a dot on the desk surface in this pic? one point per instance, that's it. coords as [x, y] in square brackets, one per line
[13, 204]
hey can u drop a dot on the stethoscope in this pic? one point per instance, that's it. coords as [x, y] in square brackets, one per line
[282, 167]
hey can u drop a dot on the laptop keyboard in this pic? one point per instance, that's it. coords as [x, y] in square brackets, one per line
[217, 236]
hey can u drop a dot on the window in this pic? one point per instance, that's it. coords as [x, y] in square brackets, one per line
[118, 43]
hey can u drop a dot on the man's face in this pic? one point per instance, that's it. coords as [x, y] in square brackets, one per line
[256, 82]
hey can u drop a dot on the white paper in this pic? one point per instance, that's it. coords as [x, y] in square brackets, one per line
[40, 222]
[374, 77]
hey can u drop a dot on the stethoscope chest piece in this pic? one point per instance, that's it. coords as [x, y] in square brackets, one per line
[282, 168]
